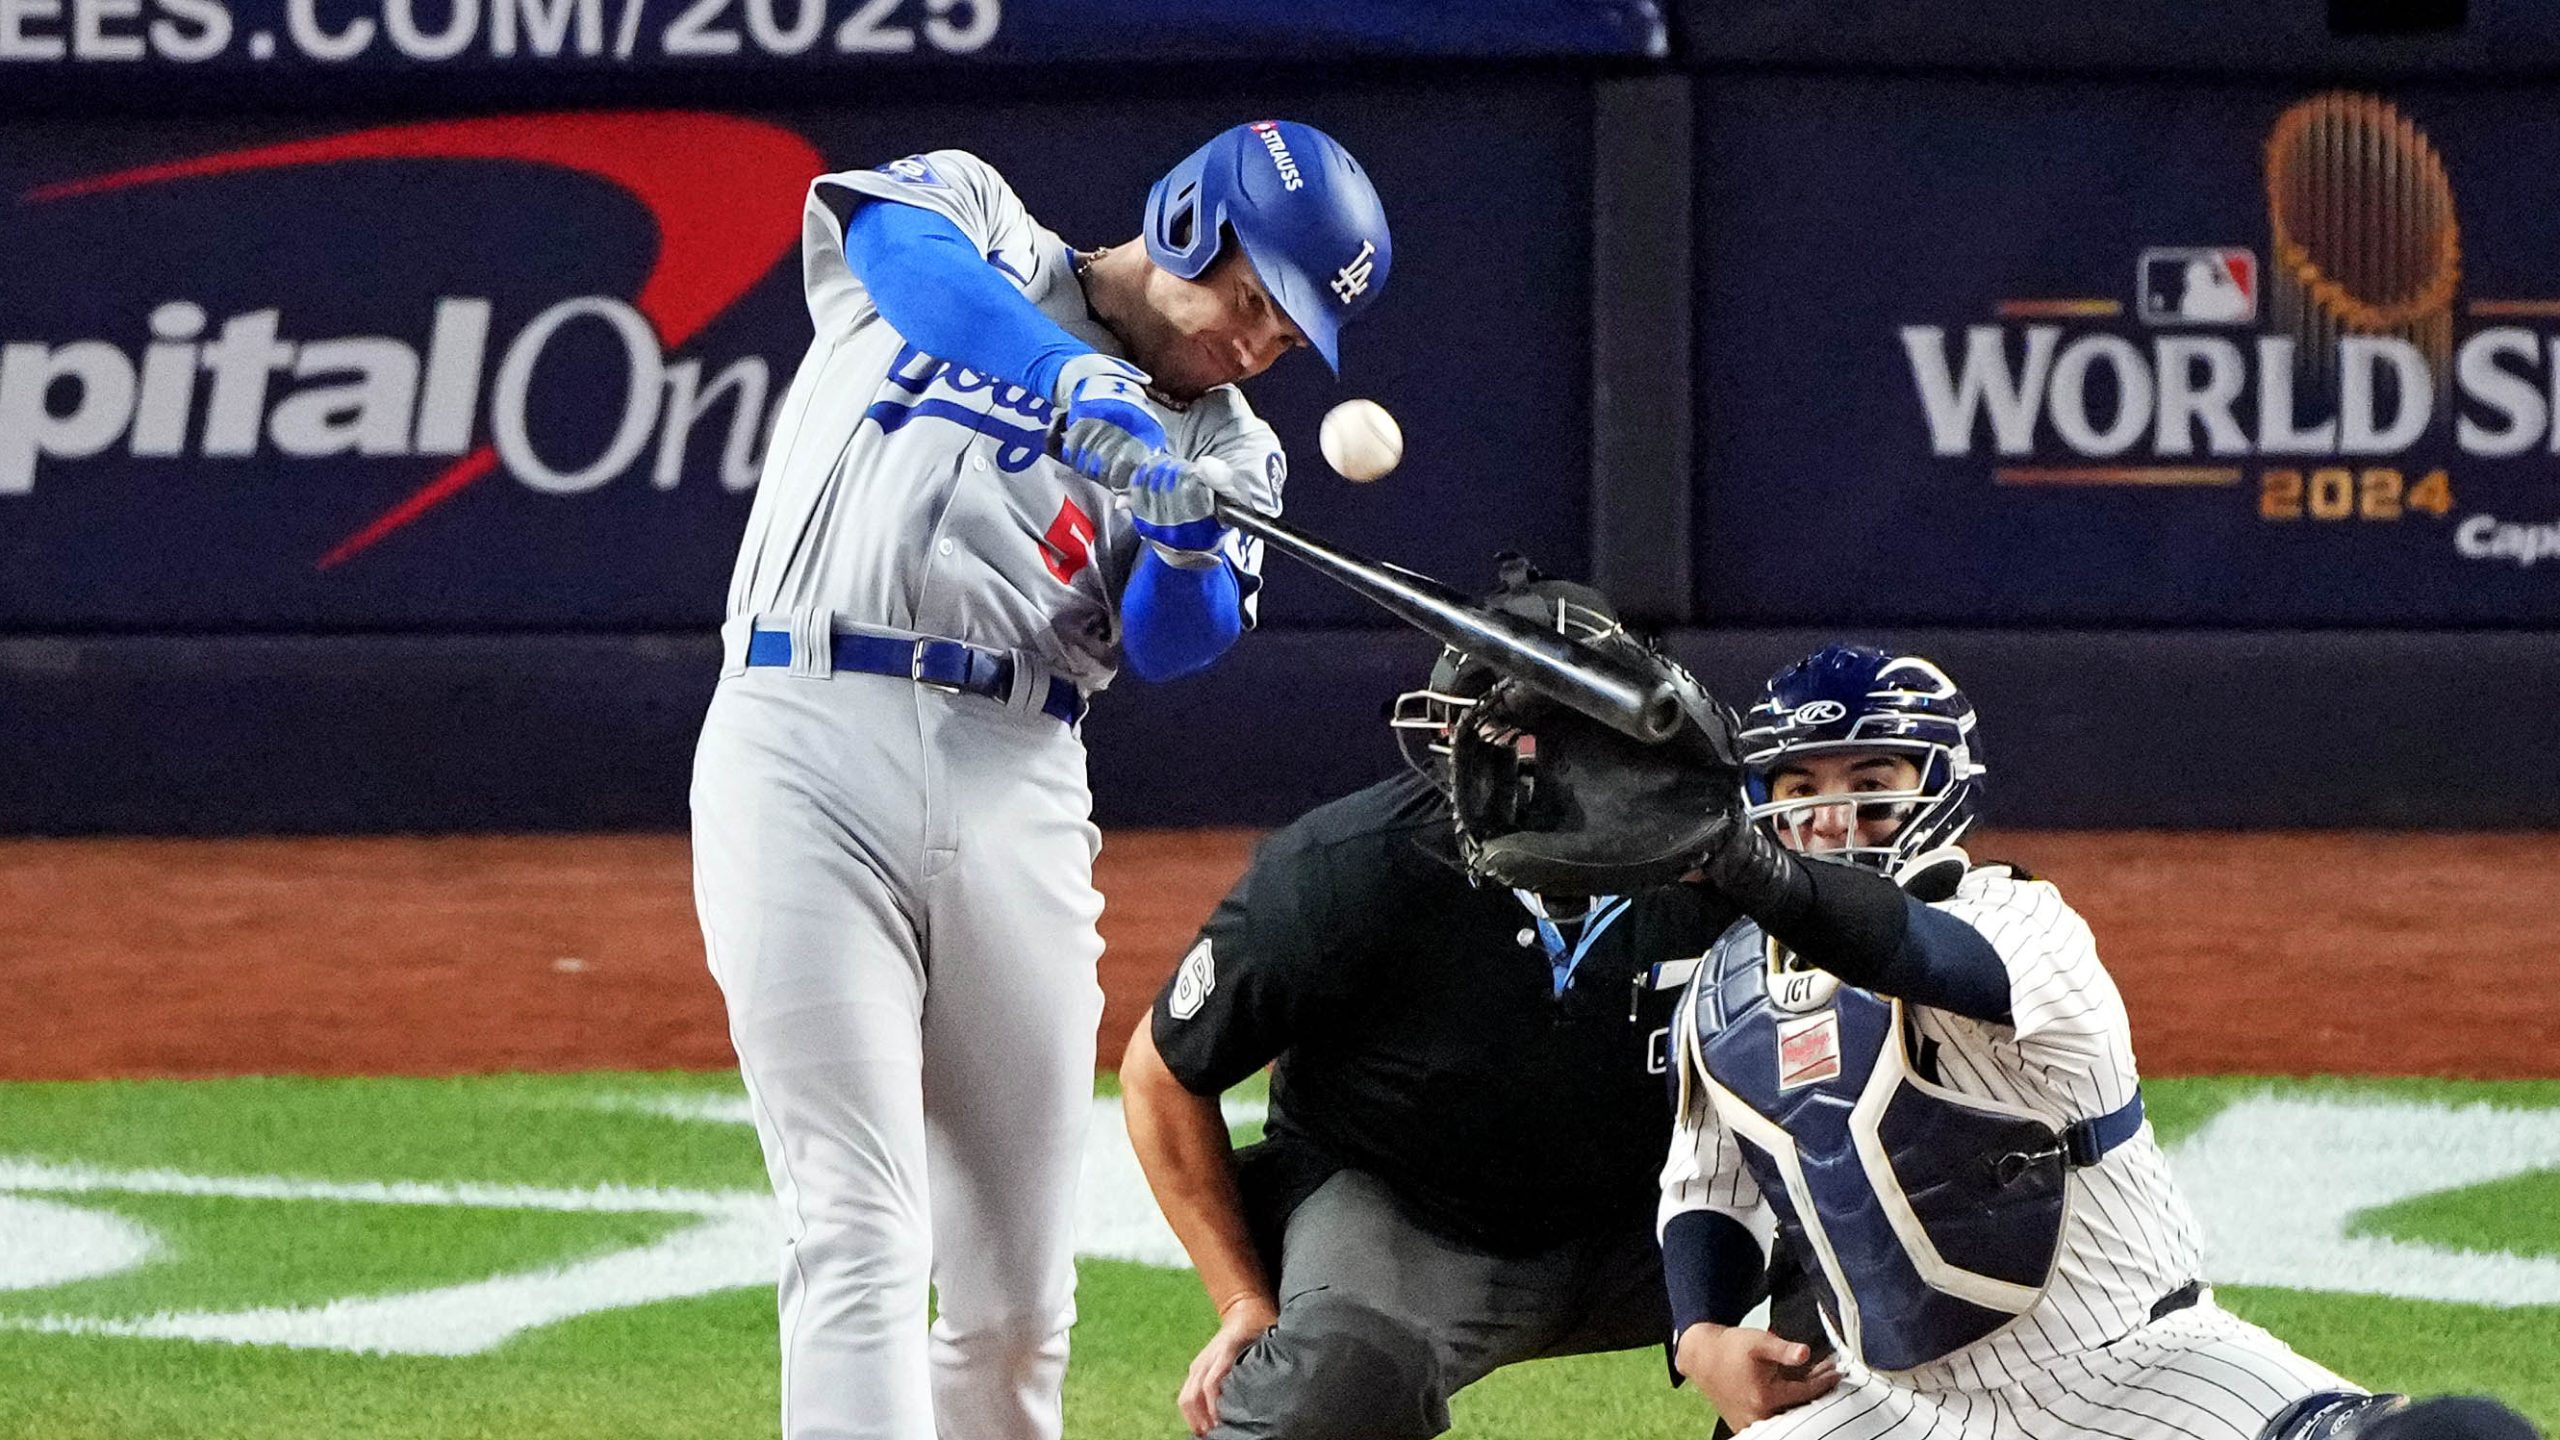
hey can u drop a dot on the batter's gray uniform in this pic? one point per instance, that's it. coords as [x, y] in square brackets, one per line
[895, 880]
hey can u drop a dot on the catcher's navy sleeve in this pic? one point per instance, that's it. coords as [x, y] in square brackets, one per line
[1711, 1264]
[1862, 927]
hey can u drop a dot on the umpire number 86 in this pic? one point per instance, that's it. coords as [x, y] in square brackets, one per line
[790, 27]
[2337, 493]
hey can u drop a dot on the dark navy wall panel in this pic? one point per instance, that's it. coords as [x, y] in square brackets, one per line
[413, 346]
[2492, 37]
[245, 735]
[2237, 730]
[2002, 352]
[258, 735]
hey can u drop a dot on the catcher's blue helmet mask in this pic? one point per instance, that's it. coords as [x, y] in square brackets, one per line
[1850, 697]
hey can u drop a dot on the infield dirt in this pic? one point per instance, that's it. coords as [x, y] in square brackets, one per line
[2290, 954]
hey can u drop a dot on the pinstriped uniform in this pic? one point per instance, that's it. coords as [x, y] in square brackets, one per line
[2087, 1359]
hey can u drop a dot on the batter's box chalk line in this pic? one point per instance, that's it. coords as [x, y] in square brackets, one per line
[2275, 1181]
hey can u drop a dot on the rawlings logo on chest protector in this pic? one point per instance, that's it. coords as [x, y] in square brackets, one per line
[1808, 1050]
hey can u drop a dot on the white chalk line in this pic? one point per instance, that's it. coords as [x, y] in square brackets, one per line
[2276, 1181]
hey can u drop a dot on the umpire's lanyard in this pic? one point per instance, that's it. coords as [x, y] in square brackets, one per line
[1564, 958]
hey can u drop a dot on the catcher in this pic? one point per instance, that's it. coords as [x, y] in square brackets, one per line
[1915, 1066]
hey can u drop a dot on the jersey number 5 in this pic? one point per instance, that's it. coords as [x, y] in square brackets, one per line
[1068, 547]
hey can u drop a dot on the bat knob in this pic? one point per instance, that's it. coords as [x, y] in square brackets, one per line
[1659, 715]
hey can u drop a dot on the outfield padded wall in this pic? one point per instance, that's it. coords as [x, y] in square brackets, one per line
[194, 640]
[227, 735]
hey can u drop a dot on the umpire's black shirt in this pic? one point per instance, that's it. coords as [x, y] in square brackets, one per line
[1418, 1032]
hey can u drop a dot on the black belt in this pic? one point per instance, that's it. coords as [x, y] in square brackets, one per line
[2080, 1145]
[940, 664]
[2178, 1299]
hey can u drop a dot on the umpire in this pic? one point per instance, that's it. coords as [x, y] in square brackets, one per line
[1467, 1114]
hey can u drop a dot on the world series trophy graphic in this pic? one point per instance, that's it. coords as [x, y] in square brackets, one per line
[2364, 236]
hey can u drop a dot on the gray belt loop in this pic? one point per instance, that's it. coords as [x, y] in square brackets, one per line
[813, 643]
[733, 644]
[1030, 685]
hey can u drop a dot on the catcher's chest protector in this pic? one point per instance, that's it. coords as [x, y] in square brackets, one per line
[1929, 1219]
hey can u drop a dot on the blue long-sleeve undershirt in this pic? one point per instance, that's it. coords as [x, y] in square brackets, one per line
[1173, 620]
[935, 289]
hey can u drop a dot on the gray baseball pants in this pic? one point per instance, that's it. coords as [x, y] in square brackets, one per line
[1381, 1320]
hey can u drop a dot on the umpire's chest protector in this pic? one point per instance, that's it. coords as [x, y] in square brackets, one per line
[1931, 1218]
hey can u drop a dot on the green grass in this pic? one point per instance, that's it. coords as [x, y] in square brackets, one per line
[2520, 1214]
[515, 1129]
[2419, 1346]
[704, 1369]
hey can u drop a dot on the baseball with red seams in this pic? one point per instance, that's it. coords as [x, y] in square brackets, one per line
[1360, 440]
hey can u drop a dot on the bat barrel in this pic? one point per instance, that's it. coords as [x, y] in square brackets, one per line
[1628, 700]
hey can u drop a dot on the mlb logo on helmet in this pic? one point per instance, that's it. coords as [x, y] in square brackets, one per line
[2187, 285]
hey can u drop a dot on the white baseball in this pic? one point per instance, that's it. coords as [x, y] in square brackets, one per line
[1360, 440]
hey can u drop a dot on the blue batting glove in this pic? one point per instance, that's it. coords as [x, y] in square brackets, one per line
[1176, 510]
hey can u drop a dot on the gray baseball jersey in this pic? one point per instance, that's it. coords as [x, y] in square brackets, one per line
[904, 492]
[896, 881]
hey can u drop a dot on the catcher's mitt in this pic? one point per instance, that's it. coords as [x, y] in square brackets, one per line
[1551, 801]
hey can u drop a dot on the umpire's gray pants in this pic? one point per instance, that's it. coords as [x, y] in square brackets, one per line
[1381, 1321]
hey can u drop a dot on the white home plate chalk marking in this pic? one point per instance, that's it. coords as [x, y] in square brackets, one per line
[2275, 1182]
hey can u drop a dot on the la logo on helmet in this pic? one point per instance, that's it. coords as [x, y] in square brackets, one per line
[1352, 279]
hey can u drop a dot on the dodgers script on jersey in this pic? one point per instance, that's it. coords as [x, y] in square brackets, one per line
[905, 493]
[2071, 1361]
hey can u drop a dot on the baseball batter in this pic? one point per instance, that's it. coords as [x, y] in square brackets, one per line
[892, 851]
[1929, 1087]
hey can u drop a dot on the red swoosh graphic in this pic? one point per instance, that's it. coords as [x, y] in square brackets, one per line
[713, 184]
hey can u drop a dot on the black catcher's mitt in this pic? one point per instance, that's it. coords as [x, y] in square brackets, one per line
[1551, 801]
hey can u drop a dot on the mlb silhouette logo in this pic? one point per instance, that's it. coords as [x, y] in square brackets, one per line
[915, 170]
[2190, 285]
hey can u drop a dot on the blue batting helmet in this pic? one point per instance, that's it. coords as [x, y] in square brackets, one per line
[1849, 697]
[1302, 208]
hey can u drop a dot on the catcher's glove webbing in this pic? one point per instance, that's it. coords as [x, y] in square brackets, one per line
[1551, 801]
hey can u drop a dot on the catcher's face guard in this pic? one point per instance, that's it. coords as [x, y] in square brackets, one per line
[1846, 804]
[1427, 719]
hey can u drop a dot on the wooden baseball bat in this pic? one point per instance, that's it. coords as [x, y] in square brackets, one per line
[1638, 705]
[1620, 696]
